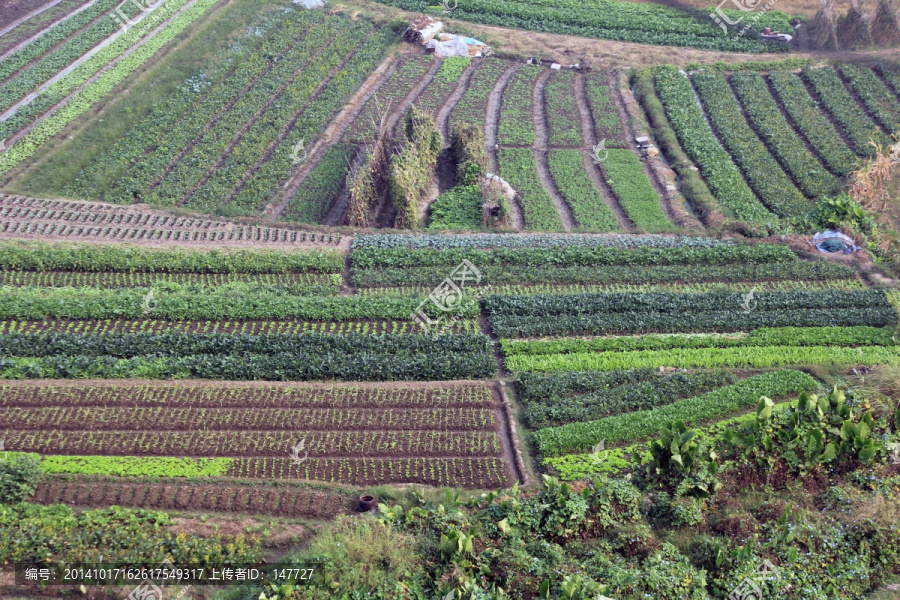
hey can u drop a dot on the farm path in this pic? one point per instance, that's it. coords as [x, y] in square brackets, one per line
[491, 125]
[589, 135]
[333, 133]
[539, 117]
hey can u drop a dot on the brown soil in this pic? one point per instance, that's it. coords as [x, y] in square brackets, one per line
[539, 118]
[278, 501]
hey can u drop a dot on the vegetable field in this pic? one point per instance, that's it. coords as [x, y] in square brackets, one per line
[436, 434]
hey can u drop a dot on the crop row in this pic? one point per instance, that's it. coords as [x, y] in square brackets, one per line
[303, 283]
[38, 24]
[763, 173]
[472, 107]
[516, 125]
[96, 89]
[441, 87]
[690, 321]
[561, 108]
[83, 75]
[214, 304]
[639, 200]
[240, 234]
[365, 127]
[322, 186]
[517, 166]
[853, 120]
[767, 120]
[34, 256]
[486, 241]
[611, 275]
[256, 396]
[531, 289]
[721, 174]
[287, 501]
[607, 126]
[758, 357]
[126, 345]
[33, 65]
[592, 304]
[876, 97]
[570, 256]
[364, 327]
[783, 336]
[288, 116]
[255, 443]
[580, 437]
[605, 19]
[539, 387]
[233, 126]
[261, 186]
[645, 395]
[482, 473]
[435, 365]
[812, 123]
[128, 167]
[264, 419]
[588, 207]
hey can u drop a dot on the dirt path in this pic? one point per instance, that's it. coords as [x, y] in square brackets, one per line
[333, 133]
[45, 30]
[491, 125]
[589, 135]
[386, 214]
[442, 121]
[152, 34]
[28, 16]
[539, 118]
[339, 208]
[239, 135]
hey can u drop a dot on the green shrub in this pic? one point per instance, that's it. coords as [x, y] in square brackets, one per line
[18, 478]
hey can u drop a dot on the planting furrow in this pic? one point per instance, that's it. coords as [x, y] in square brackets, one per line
[479, 473]
[468, 110]
[873, 94]
[538, 116]
[442, 119]
[318, 283]
[253, 395]
[256, 443]
[279, 502]
[240, 419]
[41, 8]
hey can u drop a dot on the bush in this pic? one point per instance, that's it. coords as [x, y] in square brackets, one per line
[18, 478]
